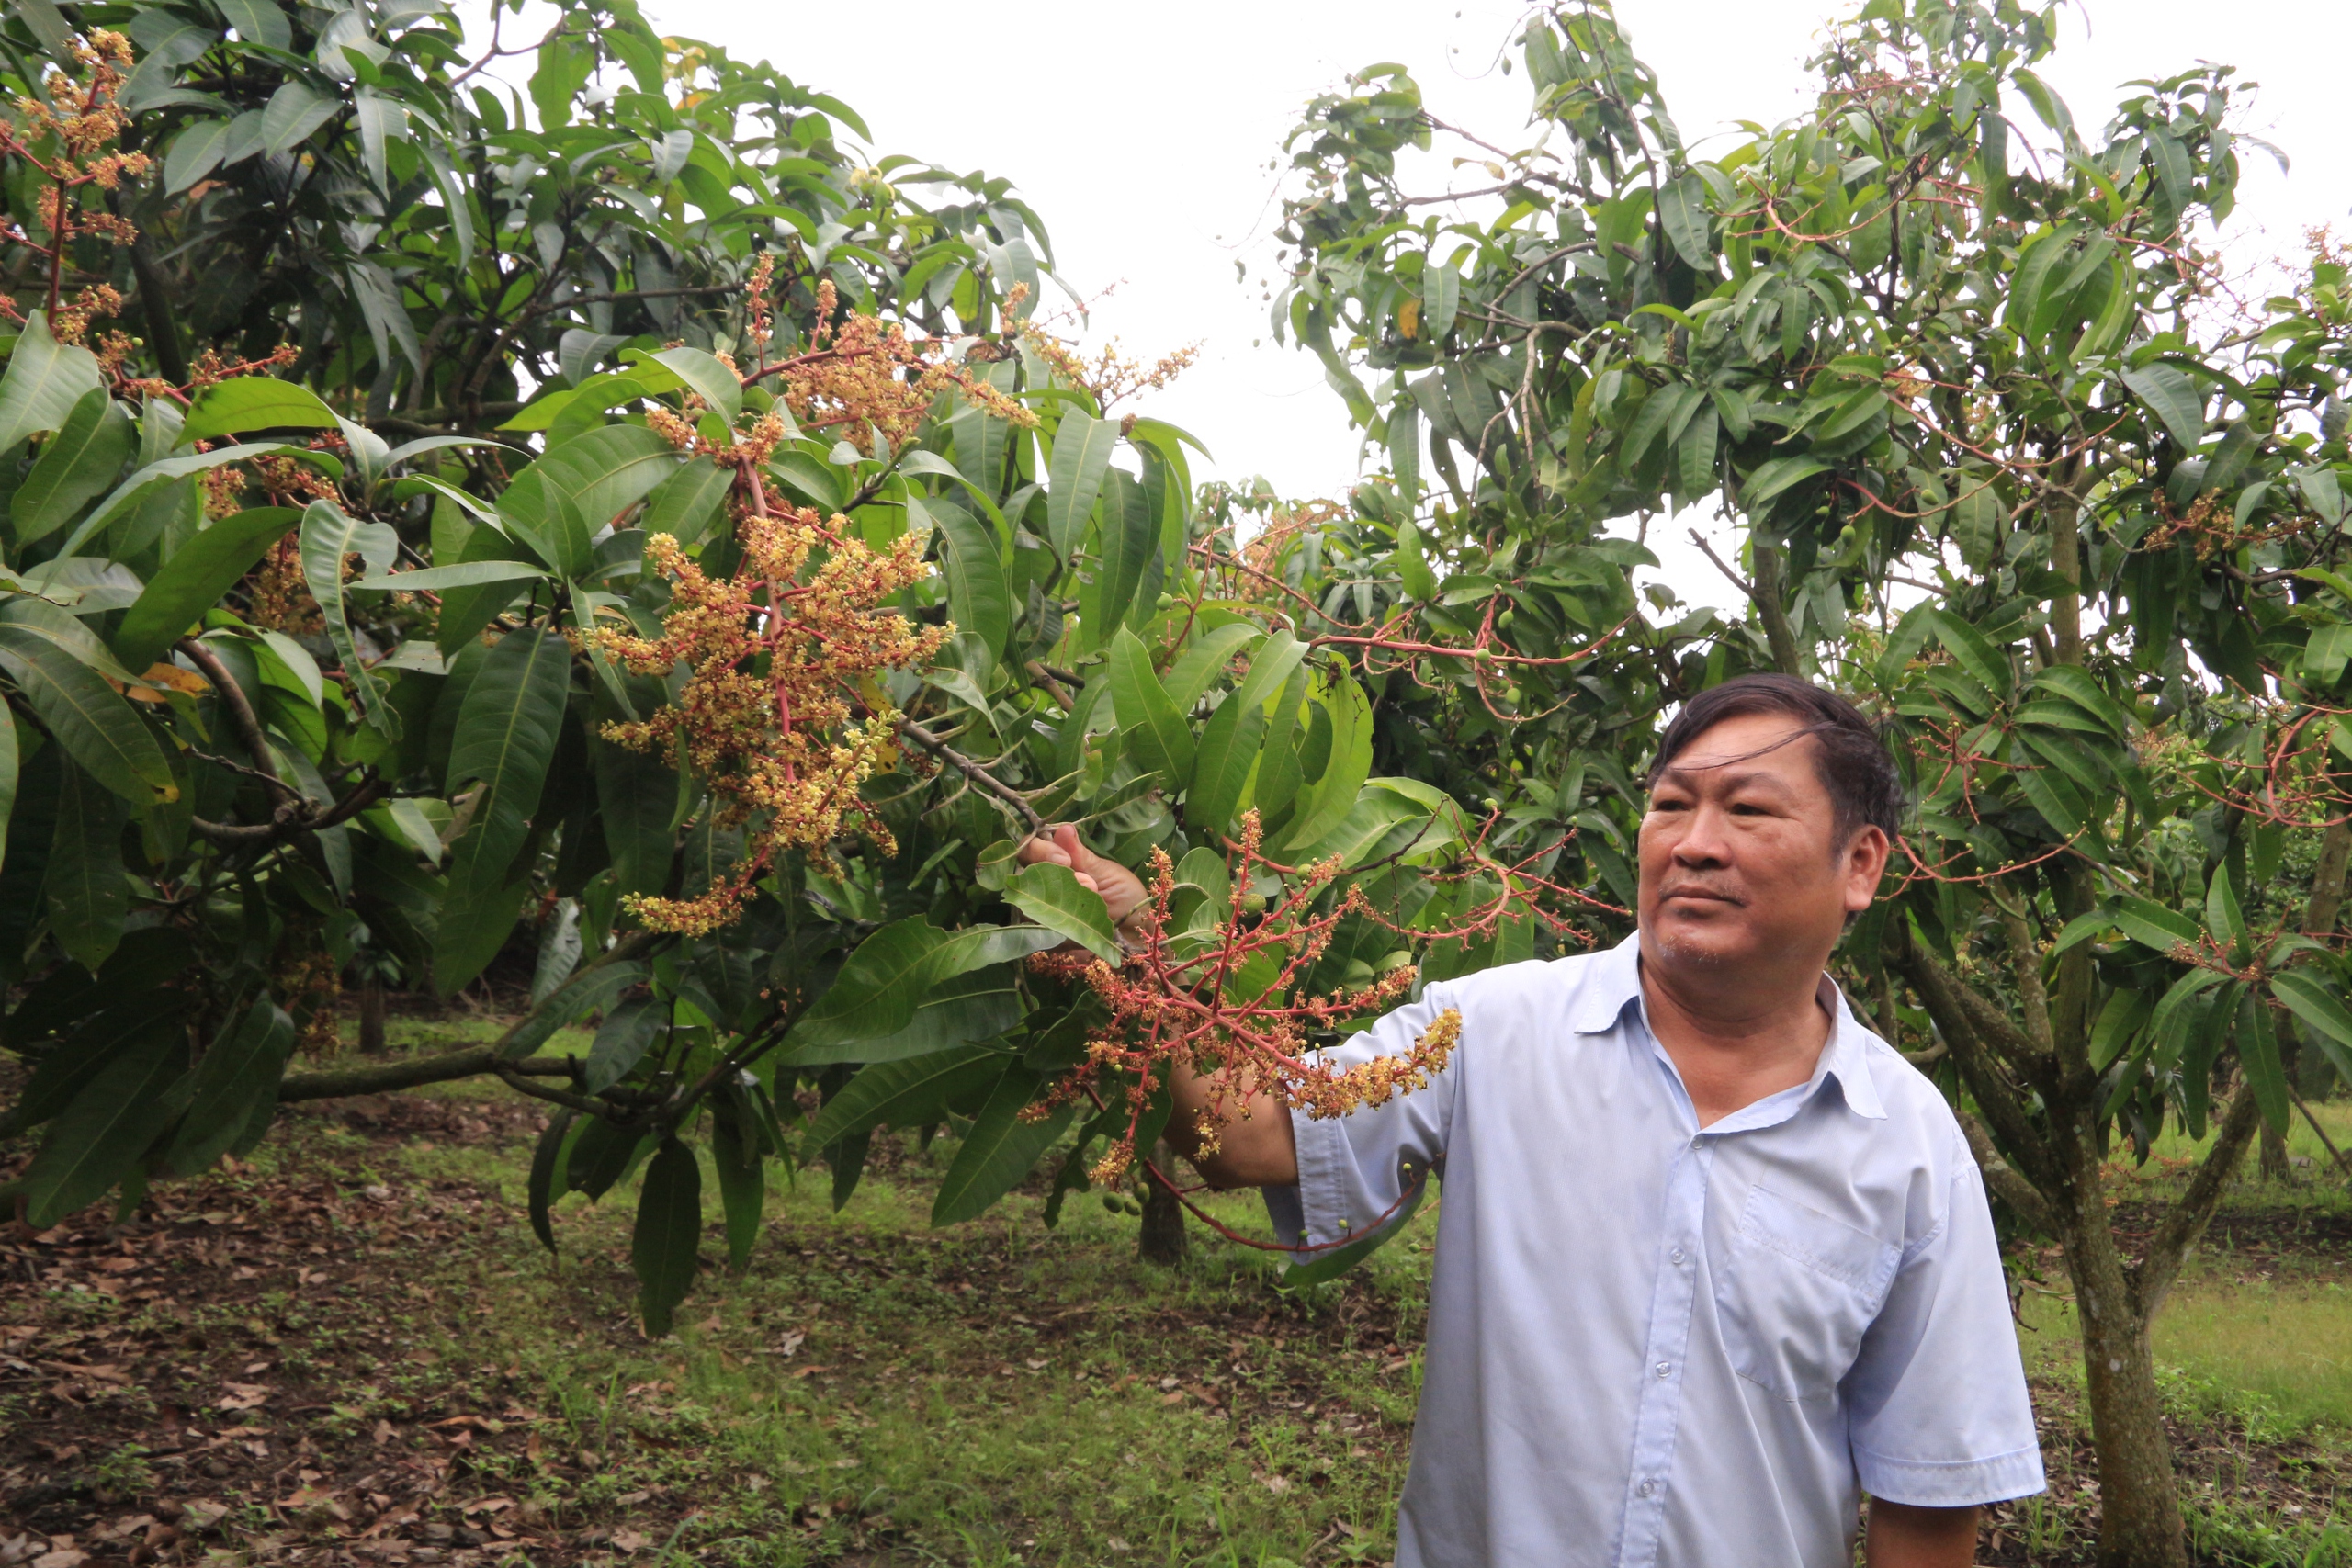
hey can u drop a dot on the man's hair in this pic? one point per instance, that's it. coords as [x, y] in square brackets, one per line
[1848, 757]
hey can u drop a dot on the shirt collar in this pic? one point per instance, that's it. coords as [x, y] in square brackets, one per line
[1612, 982]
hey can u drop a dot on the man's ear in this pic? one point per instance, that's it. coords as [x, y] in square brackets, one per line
[1865, 863]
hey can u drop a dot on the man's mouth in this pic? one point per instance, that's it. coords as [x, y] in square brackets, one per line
[1708, 894]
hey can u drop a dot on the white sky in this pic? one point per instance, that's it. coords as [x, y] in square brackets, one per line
[1142, 136]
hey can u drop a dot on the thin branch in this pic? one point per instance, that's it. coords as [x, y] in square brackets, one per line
[974, 772]
[241, 713]
[2003, 1179]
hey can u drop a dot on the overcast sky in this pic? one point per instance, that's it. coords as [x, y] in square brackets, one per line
[1142, 135]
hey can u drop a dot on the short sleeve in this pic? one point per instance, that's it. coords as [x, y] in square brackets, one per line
[1939, 1414]
[1354, 1168]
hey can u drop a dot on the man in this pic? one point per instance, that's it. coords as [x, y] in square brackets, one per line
[1713, 1259]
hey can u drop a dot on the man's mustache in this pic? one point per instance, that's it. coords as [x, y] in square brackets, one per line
[1700, 890]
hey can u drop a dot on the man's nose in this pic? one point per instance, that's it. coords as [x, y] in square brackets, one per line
[1704, 841]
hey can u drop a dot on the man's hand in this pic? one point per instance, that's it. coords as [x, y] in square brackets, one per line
[1253, 1151]
[1121, 889]
[1904, 1535]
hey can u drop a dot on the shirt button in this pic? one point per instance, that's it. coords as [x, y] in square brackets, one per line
[1700, 1142]
[1676, 1255]
[1662, 1368]
[1647, 1487]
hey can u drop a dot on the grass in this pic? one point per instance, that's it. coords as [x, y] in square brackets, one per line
[868, 1390]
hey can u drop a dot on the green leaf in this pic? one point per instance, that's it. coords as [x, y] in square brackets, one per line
[505, 740]
[192, 581]
[1986, 663]
[2053, 795]
[2222, 914]
[2154, 926]
[743, 1186]
[1082, 449]
[636, 791]
[1155, 733]
[1051, 895]
[540, 1188]
[459, 574]
[1000, 1150]
[1412, 566]
[2311, 998]
[601, 1155]
[89, 895]
[2258, 1055]
[1682, 208]
[96, 1140]
[606, 471]
[1228, 745]
[685, 505]
[1326, 802]
[621, 1042]
[44, 382]
[979, 600]
[877, 989]
[907, 1093]
[713, 382]
[77, 465]
[668, 1231]
[1199, 662]
[238, 1069]
[259, 21]
[2119, 1020]
[329, 534]
[293, 112]
[255, 402]
[976, 1006]
[1130, 542]
[195, 153]
[1776, 476]
[2080, 687]
[170, 470]
[8, 772]
[2173, 398]
[1441, 300]
[97, 727]
[1980, 518]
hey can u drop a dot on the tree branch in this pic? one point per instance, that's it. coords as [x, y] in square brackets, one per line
[379, 1077]
[1948, 1002]
[2003, 1179]
[973, 770]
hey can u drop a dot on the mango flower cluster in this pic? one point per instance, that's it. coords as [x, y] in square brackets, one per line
[782, 656]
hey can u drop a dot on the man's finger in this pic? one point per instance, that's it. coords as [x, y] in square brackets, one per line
[1088, 883]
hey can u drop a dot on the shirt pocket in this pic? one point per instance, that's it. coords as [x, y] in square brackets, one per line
[1796, 1293]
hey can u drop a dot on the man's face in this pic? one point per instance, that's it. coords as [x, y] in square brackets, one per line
[1741, 865]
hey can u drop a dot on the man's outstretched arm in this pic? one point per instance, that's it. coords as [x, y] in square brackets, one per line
[1255, 1150]
[1904, 1536]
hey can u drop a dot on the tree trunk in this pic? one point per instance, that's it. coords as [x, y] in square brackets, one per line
[1163, 1238]
[2274, 1151]
[2140, 1524]
[372, 1019]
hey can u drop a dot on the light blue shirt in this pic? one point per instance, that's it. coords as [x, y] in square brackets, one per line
[1654, 1344]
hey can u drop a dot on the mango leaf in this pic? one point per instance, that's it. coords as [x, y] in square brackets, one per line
[329, 534]
[1682, 208]
[2311, 998]
[77, 465]
[170, 470]
[979, 600]
[1130, 543]
[1083, 447]
[255, 402]
[1986, 663]
[88, 895]
[1000, 1150]
[2080, 687]
[504, 740]
[621, 1042]
[1155, 735]
[668, 1231]
[636, 791]
[97, 727]
[1776, 476]
[685, 505]
[459, 574]
[2258, 1055]
[2119, 1020]
[1229, 745]
[99, 1137]
[743, 1186]
[1050, 895]
[546, 1158]
[2174, 401]
[608, 470]
[192, 581]
[713, 382]
[902, 1094]
[2151, 925]
[9, 761]
[238, 1069]
[877, 989]
[44, 382]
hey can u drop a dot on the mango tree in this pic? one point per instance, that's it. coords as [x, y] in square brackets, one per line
[613, 526]
[2012, 460]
